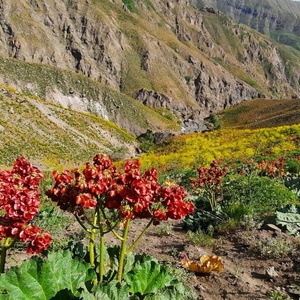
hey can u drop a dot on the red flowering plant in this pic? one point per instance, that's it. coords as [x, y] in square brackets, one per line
[103, 197]
[19, 204]
[271, 169]
[209, 181]
[207, 196]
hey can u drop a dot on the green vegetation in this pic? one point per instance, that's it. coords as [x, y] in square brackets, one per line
[130, 4]
[145, 277]
[274, 248]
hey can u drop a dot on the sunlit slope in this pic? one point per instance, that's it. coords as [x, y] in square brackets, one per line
[251, 129]
[191, 150]
[260, 113]
[52, 136]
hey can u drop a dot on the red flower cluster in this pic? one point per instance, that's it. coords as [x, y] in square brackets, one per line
[209, 177]
[271, 168]
[132, 193]
[19, 204]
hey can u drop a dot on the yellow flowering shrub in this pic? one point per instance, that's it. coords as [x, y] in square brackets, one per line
[193, 149]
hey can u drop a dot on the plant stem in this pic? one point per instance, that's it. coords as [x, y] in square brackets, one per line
[2, 259]
[8, 242]
[139, 237]
[117, 235]
[123, 251]
[81, 223]
[213, 200]
[92, 245]
[102, 246]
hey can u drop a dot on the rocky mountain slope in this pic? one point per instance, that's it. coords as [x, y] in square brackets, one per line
[277, 18]
[159, 65]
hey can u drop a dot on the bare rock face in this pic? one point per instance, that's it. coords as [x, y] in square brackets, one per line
[65, 34]
[168, 55]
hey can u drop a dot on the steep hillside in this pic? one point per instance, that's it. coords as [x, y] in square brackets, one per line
[78, 92]
[277, 18]
[53, 136]
[261, 113]
[165, 54]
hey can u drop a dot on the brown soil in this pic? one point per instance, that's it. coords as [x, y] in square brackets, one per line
[245, 272]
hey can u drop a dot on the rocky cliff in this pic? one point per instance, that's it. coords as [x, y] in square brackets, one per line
[168, 55]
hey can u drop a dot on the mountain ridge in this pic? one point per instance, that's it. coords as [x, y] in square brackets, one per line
[101, 40]
[162, 66]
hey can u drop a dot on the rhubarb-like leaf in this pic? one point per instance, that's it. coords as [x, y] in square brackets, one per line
[291, 222]
[114, 290]
[148, 277]
[42, 280]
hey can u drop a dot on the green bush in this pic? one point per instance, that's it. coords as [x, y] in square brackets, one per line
[204, 217]
[214, 119]
[254, 195]
[146, 141]
[293, 166]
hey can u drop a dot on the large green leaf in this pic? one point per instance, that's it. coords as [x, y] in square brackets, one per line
[291, 221]
[36, 279]
[148, 277]
[113, 290]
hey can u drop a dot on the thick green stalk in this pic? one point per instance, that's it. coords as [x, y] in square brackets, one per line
[213, 200]
[92, 245]
[101, 265]
[2, 259]
[8, 242]
[123, 251]
[139, 237]
[102, 246]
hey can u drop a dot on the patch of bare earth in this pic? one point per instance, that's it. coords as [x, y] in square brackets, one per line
[246, 275]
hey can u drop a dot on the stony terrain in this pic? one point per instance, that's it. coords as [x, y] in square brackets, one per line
[247, 275]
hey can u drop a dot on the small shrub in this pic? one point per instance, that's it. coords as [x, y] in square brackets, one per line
[274, 248]
[277, 295]
[130, 5]
[293, 166]
[201, 238]
[146, 141]
[162, 230]
[203, 216]
[214, 119]
[187, 79]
